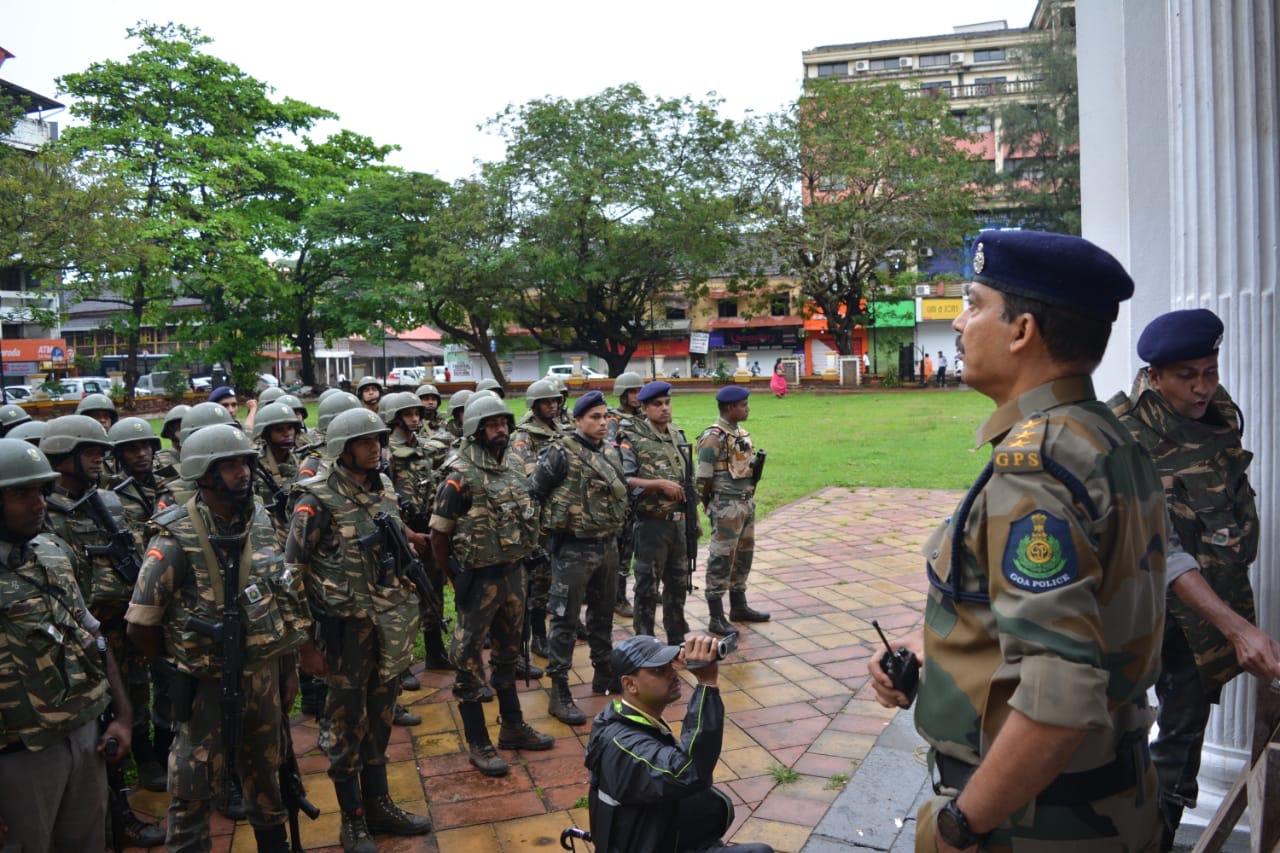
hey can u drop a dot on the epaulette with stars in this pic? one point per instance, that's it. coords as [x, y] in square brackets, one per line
[1020, 452]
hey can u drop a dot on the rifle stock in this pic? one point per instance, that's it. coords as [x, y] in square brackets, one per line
[691, 526]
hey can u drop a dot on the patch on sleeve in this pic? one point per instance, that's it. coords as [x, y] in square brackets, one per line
[1039, 555]
[1020, 452]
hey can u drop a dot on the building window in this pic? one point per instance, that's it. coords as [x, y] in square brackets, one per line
[780, 305]
[831, 183]
[833, 69]
[988, 86]
[933, 60]
[728, 308]
[937, 90]
[975, 121]
[885, 63]
[675, 314]
[995, 54]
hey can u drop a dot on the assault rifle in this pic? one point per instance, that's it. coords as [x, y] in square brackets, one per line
[278, 506]
[292, 791]
[692, 529]
[757, 467]
[397, 558]
[121, 549]
[229, 634]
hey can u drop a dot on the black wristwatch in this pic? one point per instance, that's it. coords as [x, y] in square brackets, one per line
[953, 827]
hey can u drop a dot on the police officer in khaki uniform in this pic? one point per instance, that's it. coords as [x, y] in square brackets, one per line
[56, 677]
[584, 493]
[366, 620]
[1189, 424]
[483, 526]
[1046, 608]
[222, 528]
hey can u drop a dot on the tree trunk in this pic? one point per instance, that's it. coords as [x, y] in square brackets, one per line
[306, 343]
[618, 361]
[491, 359]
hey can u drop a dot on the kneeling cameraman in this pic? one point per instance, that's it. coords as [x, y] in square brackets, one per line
[650, 792]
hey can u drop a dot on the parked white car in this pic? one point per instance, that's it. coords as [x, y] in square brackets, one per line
[414, 376]
[565, 371]
[77, 387]
[16, 393]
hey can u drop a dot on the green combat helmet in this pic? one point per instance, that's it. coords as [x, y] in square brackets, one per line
[427, 390]
[295, 404]
[348, 425]
[333, 406]
[329, 392]
[211, 445]
[366, 382]
[626, 381]
[97, 403]
[69, 433]
[10, 416]
[560, 385]
[487, 406]
[393, 404]
[203, 415]
[23, 465]
[274, 414]
[31, 431]
[126, 430]
[459, 400]
[540, 390]
[173, 420]
[270, 395]
[491, 384]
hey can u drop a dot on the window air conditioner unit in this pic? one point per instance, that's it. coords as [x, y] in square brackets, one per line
[1013, 53]
[904, 62]
[862, 65]
[924, 290]
[957, 58]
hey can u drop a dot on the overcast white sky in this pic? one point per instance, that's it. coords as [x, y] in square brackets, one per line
[423, 75]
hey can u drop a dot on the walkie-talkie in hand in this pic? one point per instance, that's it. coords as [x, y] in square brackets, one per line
[902, 666]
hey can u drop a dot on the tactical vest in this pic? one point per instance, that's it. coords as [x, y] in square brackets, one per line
[271, 596]
[528, 440]
[344, 581]
[592, 500]
[501, 525]
[52, 679]
[412, 473]
[734, 458]
[75, 523]
[658, 457]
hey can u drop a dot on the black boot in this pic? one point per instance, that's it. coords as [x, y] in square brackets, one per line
[231, 803]
[404, 717]
[314, 692]
[409, 681]
[717, 624]
[354, 836]
[515, 732]
[740, 611]
[561, 704]
[437, 655]
[271, 839]
[137, 832]
[380, 814]
[528, 671]
[600, 678]
[482, 754]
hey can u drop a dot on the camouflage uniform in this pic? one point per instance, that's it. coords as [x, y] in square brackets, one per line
[725, 456]
[272, 483]
[52, 688]
[531, 436]
[1051, 606]
[413, 477]
[1211, 504]
[366, 628]
[585, 505]
[181, 577]
[620, 418]
[140, 501]
[659, 527]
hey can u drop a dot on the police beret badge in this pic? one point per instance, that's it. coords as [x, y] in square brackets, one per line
[979, 259]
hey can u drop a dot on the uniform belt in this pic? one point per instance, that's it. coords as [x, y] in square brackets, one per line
[661, 516]
[1067, 789]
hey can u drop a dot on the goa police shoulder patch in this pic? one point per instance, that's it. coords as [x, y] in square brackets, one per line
[1039, 555]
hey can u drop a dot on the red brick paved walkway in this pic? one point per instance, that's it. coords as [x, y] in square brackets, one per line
[799, 716]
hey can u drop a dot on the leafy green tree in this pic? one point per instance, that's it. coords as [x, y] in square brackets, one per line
[851, 181]
[618, 200]
[195, 140]
[1041, 132]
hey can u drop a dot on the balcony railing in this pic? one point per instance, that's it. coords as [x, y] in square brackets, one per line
[978, 90]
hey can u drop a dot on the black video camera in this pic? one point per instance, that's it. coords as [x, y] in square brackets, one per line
[724, 647]
[902, 666]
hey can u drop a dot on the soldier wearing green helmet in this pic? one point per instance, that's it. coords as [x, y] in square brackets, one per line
[82, 516]
[100, 408]
[275, 431]
[300, 409]
[11, 415]
[369, 391]
[168, 458]
[483, 527]
[311, 456]
[52, 795]
[431, 399]
[491, 384]
[566, 422]
[457, 408]
[31, 432]
[200, 416]
[329, 392]
[270, 395]
[366, 618]
[219, 531]
[628, 412]
[134, 445]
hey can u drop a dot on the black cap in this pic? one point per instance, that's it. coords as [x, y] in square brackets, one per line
[652, 390]
[587, 402]
[1180, 336]
[640, 652]
[732, 394]
[1055, 268]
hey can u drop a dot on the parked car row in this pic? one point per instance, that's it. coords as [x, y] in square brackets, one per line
[16, 393]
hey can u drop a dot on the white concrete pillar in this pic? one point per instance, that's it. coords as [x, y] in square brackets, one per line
[831, 369]
[576, 373]
[743, 372]
[658, 366]
[1180, 162]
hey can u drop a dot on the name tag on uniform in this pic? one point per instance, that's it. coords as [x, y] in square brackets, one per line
[252, 593]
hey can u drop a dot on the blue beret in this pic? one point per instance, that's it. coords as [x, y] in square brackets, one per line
[654, 389]
[222, 392]
[587, 402]
[1055, 268]
[732, 394]
[1180, 336]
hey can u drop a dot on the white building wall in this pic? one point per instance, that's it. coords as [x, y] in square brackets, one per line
[1179, 154]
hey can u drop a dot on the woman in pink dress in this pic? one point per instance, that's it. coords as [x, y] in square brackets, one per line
[778, 384]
